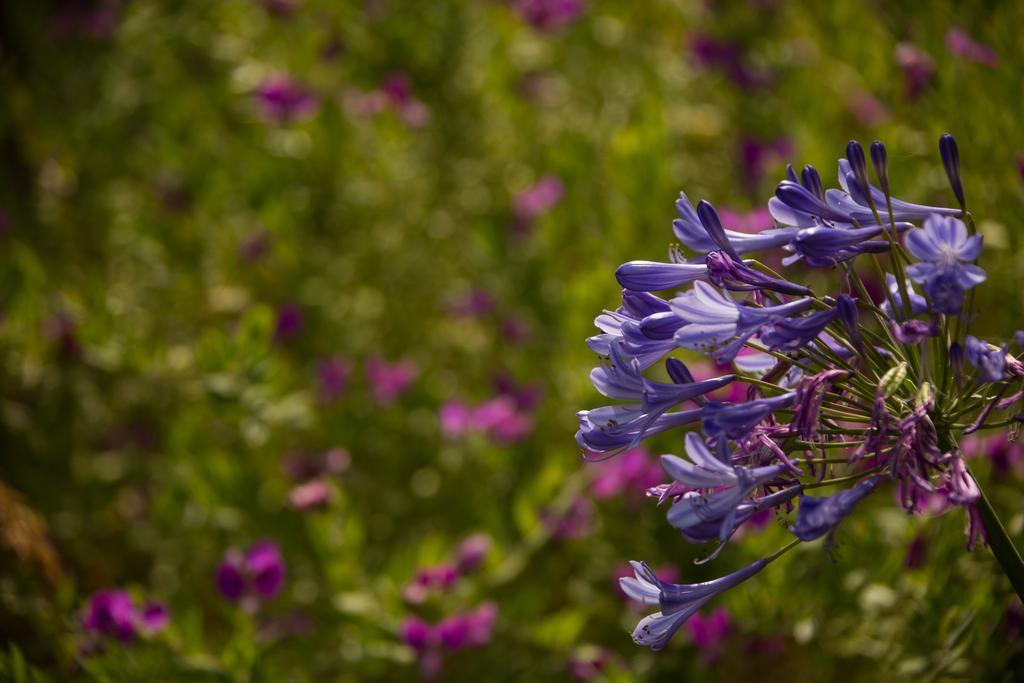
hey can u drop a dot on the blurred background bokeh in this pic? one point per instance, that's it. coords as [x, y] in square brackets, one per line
[293, 300]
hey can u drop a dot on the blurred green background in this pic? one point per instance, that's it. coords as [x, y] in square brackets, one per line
[237, 236]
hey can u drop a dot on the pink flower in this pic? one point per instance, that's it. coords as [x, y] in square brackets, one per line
[576, 522]
[709, 633]
[472, 552]
[456, 419]
[548, 15]
[867, 110]
[539, 197]
[632, 473]
[311, 495]
[960, 43]
[388, 381]
[752, 221]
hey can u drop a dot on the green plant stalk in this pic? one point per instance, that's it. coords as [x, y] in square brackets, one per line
[1002, 547]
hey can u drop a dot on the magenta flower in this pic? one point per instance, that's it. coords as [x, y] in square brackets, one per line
[539, 198]
[388, 381]
[455, 632]
[289, 323]
[111, 613]
[256, 575]
[282, 100]
[960, 43]
[430, 580]
[456, 419]
[332, 377]
[709, 633]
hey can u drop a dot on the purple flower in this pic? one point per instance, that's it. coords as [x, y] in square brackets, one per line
[918, 304]
[918, 68]
[691, 230]
[153, 617]
[853, 199]
[989, 360]
[960, 43]
[734, 275]
[731, 485]
[653, 276]
[388, 381]
[289, 323]
[715, 321]
[944, 269]
[736, 421]
[951, 163]
[913, 331]
[678, 602]
[820, 515]
[258, 573]
[416, 633]
[282, 100]
[332, 377]
[111, 613]
[792, 334]
[456, 418]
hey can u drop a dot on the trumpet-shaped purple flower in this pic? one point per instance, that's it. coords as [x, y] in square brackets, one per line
[732, 484]
[612, 429]
[652, 276]
[819, 515]
[791, 334]
[820, 245]
[853, 200]
[715, 321]
[736, 421]
[692, 232]
[725, 271]
[678, 602]
[989, 360]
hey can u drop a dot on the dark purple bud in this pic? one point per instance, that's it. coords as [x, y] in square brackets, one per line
[709, 219]
[858, 164]
[951, 162]
[796, 196]
[791, 174]
[812, 181]
[848, 314]
[643, 304]
[880, 159]
[678, 372]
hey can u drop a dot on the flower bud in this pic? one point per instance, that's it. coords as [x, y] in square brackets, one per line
[812, 181]
[880, 160]
[858, 164]
[709, 219]
[951, 162]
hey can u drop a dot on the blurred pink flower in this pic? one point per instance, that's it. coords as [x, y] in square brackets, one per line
[471, 552]
[282, 100]
[576, 522]
[388, 381]
[311, 495]
[456, 419]
[866, 109]
[960, 43]
[918, 68]
[630, 473]
[539, 197]
[752, 221]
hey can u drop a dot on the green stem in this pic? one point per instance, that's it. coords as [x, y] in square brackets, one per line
[1002, 547]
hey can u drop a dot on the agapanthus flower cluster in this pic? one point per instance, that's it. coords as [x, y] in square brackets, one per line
[842, 393]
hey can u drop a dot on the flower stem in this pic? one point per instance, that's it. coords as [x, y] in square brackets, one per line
[1002, 547]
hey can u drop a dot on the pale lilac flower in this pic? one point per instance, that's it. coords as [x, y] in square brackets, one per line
[945, 267]
[388, 381]
[990, 361]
